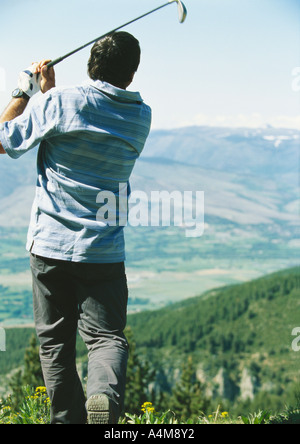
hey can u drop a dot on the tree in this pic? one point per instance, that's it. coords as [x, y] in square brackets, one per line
[139, 377]
[16, 398]
[31, 375]
[187, 399]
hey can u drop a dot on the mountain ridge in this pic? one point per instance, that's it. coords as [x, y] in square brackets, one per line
[251, 215]
[239, 336]
[254, 150]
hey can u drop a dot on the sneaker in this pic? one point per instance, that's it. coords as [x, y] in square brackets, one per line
[99, 410]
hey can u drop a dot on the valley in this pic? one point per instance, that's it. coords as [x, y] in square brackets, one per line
[250, 180]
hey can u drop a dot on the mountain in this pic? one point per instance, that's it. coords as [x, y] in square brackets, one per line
[250, 181]
[240, 338]
[250, 164]
[266, 151]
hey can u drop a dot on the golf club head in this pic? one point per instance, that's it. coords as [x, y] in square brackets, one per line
[182, 11]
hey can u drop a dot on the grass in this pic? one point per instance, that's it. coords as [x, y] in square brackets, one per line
[35, 409]
[150, 416]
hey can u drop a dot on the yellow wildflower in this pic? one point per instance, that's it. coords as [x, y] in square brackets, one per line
[148, 407]
[41, 389]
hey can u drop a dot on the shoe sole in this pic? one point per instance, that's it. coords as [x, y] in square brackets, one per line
[98, 407]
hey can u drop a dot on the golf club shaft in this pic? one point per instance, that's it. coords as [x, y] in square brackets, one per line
[60, 59]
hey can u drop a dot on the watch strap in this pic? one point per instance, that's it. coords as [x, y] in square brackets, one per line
[19, 93]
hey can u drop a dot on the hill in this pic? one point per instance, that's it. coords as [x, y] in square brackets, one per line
[261, 161]
[240, 339]
[239, 336]
[261, 152]
[251, 215]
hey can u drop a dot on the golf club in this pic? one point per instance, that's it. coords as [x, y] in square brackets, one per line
[182, 12]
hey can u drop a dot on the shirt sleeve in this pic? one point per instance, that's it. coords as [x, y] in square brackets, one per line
[39, 121]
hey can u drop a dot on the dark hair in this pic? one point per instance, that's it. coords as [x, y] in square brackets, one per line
[115, 58]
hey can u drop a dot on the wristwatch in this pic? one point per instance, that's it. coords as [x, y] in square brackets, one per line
[18, 93]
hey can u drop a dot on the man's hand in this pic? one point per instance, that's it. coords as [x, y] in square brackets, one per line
[30, 81]
[37, 78]
[48, 75]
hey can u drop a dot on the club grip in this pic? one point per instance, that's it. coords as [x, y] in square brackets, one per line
[55, 62]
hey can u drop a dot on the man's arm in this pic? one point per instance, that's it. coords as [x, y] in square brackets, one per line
[17, 106]
[14, 109]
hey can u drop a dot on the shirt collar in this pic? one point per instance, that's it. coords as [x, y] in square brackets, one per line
[118, 94]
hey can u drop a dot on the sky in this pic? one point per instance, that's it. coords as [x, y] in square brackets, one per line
[232, 63]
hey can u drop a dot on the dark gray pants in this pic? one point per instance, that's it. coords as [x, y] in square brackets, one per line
[93, 299]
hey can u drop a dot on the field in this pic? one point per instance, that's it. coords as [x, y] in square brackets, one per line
[167, 268]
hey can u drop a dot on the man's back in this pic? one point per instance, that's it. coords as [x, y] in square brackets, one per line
[91, 136]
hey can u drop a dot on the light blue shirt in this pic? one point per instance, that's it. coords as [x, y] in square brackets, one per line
[89, 138]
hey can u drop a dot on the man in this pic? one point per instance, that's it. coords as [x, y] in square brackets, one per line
[88, 139]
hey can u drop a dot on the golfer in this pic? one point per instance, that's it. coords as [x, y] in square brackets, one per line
[88, 139]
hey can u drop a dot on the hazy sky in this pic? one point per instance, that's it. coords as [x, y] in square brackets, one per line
[233, 62]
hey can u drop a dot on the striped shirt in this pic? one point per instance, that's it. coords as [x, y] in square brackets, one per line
[89, 139]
